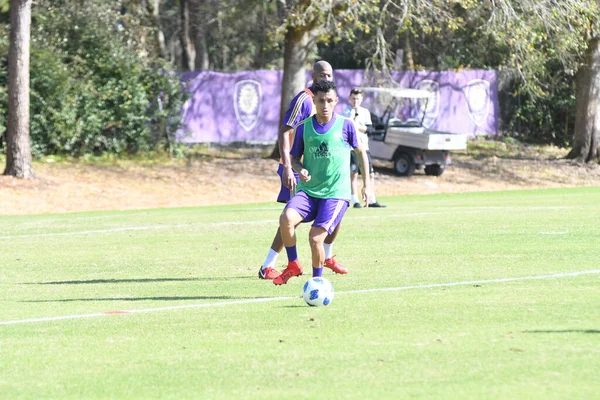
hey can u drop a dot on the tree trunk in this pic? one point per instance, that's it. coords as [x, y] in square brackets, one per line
[188, 56]
[298, 43]
[202, 61]
[199, 14]
[154, 6]
[295, 57]
[408, 53]
[18, 148]
[587, 111]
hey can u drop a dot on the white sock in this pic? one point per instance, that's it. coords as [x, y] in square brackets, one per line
[328, 250]
[373, 199]
[270, 260]
[355, 199]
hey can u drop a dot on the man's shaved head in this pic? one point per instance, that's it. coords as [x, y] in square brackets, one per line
[322, 71]
[322, 66]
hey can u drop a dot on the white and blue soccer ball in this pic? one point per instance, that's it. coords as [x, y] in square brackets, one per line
[317, 292]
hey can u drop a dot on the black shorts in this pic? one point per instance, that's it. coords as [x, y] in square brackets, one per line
[354, 162]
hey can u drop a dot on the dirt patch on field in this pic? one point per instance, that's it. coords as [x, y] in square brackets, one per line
[243, 178]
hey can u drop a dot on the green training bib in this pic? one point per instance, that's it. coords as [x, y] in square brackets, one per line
[327, 159]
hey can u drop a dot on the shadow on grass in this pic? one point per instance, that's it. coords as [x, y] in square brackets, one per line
[161, 298]
[141, 280]
[565, 331]
[298, 305]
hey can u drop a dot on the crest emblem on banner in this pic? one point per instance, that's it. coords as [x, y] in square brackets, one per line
[247, 102]
[431, 107]
[477, 93]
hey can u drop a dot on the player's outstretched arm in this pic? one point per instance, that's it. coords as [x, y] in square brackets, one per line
[363, 161]
[283, 138]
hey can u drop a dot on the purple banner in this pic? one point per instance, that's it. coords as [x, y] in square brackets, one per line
[244, 106]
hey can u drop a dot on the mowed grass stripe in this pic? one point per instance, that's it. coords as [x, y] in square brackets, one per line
[270, 299]
[473, 210]
[238, 337]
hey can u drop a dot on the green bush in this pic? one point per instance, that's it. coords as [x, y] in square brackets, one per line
[548, 119]
[93, 88]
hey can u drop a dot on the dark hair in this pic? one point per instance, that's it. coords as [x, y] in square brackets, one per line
[356, 91]
[324, 86]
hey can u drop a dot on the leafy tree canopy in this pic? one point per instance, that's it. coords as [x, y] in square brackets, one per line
[95, 86]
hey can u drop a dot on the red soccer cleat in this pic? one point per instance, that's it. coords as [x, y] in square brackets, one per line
[268, 273]
[293, 269]
[334, 266]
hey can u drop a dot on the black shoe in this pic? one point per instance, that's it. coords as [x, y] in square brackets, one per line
[357, 205]
[376, 205]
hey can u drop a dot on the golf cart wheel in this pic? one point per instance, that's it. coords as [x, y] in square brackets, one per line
[434, 169]
[404, 165]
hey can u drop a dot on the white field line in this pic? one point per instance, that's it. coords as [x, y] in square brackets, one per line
[475, 210]
[137, 228]
[270, 299]
[130, 213]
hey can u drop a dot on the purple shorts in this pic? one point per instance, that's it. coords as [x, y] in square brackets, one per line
[326, 213]
[284, 193]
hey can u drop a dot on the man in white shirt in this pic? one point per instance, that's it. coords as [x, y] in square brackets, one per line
[362, 122]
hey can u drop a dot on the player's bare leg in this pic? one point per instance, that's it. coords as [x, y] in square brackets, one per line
[329, 256]
[331, 237]
[316, 238]
[267, 270]
[288, 221]
[277, 245]
[355, 200]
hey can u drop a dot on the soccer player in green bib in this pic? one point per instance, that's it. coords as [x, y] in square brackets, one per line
[321, 156]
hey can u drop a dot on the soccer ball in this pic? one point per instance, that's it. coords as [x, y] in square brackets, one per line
[318, 292]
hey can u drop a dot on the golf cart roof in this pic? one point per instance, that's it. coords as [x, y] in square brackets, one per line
[400, 92]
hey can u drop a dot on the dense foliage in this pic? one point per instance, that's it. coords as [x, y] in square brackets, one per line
[536, 46]
[93, 90]
[101, 80]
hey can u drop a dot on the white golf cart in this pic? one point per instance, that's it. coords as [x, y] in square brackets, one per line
[405, 141]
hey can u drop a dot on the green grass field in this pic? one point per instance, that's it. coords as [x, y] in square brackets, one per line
[467, 296]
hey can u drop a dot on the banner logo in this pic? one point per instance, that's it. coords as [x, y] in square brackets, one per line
[247, 103]
[428, 107]
[477, 93]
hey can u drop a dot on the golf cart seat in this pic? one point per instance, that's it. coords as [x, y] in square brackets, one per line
[409, 123]
[377, 132]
